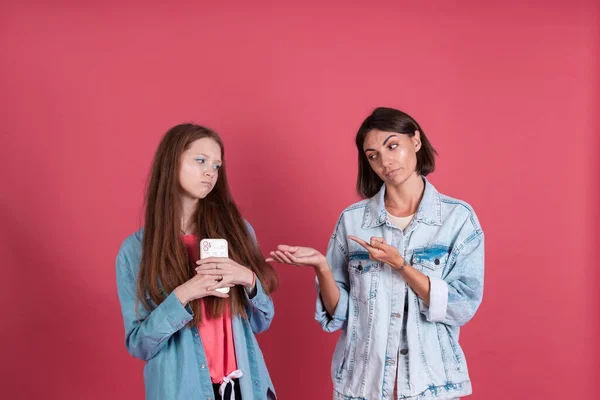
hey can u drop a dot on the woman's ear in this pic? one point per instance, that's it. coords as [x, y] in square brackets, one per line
[417, 140]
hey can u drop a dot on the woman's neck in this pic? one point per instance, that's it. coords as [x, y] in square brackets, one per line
[404, 199]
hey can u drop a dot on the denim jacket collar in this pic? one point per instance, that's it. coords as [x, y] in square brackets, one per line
[429, 212]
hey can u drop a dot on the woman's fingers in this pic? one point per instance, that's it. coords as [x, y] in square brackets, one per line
[377, 242]
[361, 242]
[283, 257]
[285, 247]
[294, 259]
[277, 258]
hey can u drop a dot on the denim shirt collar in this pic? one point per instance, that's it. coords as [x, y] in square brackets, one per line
[429, 212]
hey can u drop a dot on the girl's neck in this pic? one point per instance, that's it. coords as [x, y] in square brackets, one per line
[188, 210]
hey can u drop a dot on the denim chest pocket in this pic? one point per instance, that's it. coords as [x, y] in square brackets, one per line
[364, 279]
[431, 259]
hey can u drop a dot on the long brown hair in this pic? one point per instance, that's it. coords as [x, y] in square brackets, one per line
[165, 263]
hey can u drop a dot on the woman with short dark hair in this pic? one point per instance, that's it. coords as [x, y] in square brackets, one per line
[402, 273]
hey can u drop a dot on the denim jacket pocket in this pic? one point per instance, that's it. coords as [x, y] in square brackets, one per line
[340, 369]
[451, 352]
[433, 257]
[364, 279]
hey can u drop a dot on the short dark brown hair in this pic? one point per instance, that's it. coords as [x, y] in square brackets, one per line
[389, 120]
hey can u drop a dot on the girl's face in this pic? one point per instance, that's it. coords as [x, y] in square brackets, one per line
[393, 156]
[199, 170]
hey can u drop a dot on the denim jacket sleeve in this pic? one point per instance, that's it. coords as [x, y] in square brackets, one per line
[260, 308]
[146, 332]
[455, 298]
[338, 262]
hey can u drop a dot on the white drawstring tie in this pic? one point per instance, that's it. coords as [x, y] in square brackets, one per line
[229, 378]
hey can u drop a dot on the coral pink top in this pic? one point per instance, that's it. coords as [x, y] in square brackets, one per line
[216, 333]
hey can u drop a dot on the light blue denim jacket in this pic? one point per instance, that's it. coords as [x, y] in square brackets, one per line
[445, 242]
[176, 367]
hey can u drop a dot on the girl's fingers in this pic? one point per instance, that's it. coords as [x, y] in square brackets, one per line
[211, 265]
[217, 260]
[219, 285]
[212, 271]
[219, 294]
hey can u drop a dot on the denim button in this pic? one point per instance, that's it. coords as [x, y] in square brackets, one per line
[404, 352]
[360, 267]
[437, 261]
[203, 366]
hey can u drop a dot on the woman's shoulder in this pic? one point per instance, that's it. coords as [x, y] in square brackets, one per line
[453, 209]
[357, 207]
[351, 216]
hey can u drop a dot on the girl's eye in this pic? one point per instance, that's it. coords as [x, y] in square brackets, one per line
[201, 160]
[372, 156]
[217, 167]
[393, 146]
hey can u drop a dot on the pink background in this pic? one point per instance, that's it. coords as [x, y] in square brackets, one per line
[509, 95]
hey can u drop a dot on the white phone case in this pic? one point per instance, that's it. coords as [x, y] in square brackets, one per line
[214, 248]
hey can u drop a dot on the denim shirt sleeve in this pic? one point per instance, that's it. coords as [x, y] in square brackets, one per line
[146, 332]
[338, 262]
[260, 308]
[455, 298]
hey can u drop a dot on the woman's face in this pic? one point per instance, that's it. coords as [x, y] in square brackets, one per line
[199, 170]
[393, 156]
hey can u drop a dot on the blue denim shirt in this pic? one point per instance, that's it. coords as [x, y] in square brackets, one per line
[389, 335]
[176, 367]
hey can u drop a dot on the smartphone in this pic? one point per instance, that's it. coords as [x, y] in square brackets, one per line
[214, 248]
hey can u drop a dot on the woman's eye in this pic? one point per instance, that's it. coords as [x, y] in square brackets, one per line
[393, 146]
[217, 167]
[201, 160]
[372, 156]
